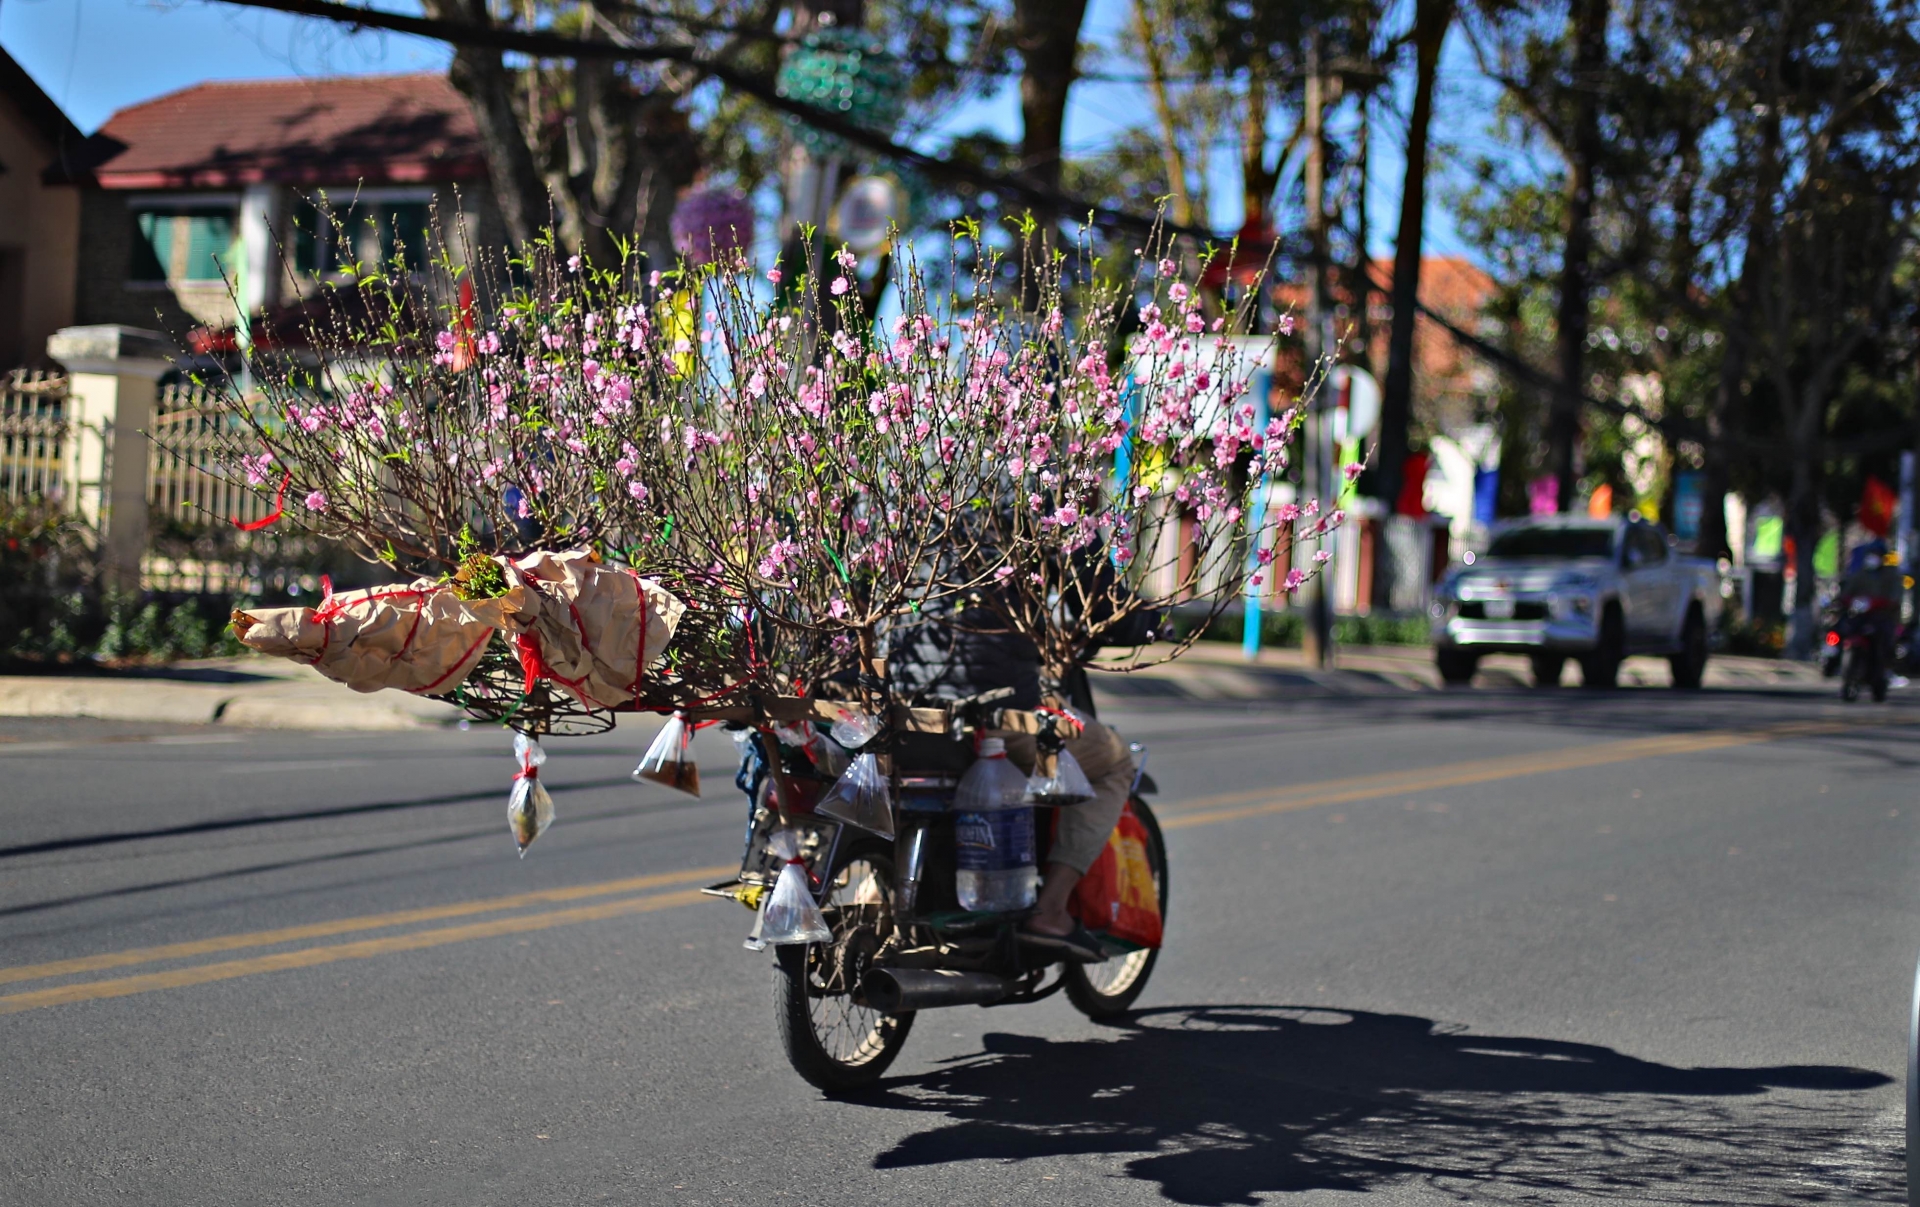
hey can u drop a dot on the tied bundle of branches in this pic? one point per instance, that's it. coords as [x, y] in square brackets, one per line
[800, 477]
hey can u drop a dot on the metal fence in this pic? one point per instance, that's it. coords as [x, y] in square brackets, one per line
[191, 491]
[33, 436]
[185, 479]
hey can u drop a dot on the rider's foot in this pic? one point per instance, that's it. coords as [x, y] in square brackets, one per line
[1077, 944]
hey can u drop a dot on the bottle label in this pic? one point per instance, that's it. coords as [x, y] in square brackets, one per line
[993, 842]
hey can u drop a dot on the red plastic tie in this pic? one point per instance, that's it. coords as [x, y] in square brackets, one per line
[279, 498]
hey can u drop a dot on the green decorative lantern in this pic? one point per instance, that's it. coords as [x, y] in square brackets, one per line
[847, 72]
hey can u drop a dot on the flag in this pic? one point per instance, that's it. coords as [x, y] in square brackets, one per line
[1877, 503]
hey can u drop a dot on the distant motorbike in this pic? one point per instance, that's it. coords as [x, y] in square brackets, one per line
[1857, 643]
[901, 941]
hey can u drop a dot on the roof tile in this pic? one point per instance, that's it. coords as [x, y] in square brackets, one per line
[335, 130]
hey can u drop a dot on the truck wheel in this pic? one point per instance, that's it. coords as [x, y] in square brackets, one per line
[1456, 666]
[1547, 669]
[1602, 667]
[1690, 664]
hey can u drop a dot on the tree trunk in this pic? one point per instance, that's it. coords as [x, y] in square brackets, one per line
[1576, 286]
[1396, 403]
[1047, 34]
[480, 76]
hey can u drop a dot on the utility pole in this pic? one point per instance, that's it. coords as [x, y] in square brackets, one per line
[1317, 640]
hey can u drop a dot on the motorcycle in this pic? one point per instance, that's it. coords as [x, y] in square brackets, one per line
[901, 942]
[1856, 636]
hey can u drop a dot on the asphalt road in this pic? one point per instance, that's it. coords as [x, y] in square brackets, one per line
[1501, 946]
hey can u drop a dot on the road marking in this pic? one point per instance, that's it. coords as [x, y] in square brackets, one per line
[1202, 811]
[1263, 802]
[342, 926]
[363, 949]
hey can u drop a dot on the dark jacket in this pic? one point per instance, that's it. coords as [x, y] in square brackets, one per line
[954, 651]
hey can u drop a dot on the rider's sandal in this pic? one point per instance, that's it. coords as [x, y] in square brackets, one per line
[1077, 945]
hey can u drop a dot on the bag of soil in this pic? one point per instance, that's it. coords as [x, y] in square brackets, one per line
[529, 808]
[790, 914]
[860, 797]
[669, 760]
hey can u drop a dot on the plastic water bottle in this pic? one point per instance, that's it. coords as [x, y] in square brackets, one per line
[993, 834]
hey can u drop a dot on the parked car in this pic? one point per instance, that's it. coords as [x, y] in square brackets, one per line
[1595, 590]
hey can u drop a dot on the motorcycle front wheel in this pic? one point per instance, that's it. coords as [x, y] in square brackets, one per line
[1109, 988]
[832, 1039]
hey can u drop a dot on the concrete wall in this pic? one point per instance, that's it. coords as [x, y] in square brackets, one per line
[39, 245]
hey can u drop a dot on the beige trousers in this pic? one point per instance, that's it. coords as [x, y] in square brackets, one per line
[1083, 829]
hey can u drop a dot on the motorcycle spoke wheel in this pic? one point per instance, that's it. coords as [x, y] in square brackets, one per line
[833, 1039]
[1109, 988]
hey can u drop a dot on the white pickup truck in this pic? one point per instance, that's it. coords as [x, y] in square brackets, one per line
[1561, 587]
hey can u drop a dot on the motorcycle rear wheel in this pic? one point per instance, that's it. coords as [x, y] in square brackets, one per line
[833, 1041]
[1109, 988]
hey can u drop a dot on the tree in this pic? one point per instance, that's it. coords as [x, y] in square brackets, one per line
[1431, 21]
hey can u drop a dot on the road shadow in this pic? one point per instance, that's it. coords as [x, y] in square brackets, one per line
[1225, 1104]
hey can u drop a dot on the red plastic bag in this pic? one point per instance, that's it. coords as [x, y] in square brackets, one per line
[1117, 896]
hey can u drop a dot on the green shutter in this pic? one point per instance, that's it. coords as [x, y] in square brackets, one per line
[209, 241]
[152, 245]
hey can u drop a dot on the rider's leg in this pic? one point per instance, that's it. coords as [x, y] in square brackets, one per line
[1082, 829]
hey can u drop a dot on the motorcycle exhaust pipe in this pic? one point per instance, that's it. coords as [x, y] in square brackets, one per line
[901, 990]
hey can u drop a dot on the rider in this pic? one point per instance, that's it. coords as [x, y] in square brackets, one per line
[1873, 574]
[954, 652]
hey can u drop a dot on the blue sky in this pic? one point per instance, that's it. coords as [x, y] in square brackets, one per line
[96, 56]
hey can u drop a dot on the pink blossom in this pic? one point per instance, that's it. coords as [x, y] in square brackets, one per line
[638, 490]
[1286, 324]
[317, 501]
[1295, 577]
[1177, 291]
[773, 274]
[1321, 557]
[837, 607]
[1354, 470]
[839, 286]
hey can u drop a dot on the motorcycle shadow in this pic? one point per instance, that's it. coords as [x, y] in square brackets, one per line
[1222, 1104]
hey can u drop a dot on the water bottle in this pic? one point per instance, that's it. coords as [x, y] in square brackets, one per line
[993, 834]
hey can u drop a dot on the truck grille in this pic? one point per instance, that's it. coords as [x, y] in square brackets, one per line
[1522, 610]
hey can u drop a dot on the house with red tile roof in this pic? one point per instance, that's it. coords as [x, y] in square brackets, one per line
[265, 190]
[39, 217]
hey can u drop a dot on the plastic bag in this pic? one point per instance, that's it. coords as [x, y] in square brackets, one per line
[855, 730]
[669, 760]
[1067, 785]
[826, 756]
[860, 797]
[790, 914]
[529, 808]
[1118, 896]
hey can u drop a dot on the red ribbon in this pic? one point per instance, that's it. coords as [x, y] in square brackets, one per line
[279, 497]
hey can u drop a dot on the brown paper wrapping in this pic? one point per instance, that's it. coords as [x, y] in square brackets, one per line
[420, 638]
[580, 624]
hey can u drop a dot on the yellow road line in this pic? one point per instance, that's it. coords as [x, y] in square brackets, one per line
[1209, 810]
[1474, 771]
[362, 949]
[343, 926]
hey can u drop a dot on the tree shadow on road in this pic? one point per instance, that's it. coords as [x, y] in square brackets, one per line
[1225, 1104]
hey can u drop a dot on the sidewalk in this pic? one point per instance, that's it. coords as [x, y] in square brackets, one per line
[1217, 671]
[271, 693]
[251, 691]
